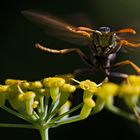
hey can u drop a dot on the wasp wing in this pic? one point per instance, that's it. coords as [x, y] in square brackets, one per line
[56, 27]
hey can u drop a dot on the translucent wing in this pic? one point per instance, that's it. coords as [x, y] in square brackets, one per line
[56, 27]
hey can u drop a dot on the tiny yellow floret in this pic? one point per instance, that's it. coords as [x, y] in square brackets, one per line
[68, 88]
[88, 85]
[133, 79]
[35, 85]
[107, 89]
[127, 89]
[54, 82]
[29, 95]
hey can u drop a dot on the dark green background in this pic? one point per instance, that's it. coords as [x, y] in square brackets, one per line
[19, 59]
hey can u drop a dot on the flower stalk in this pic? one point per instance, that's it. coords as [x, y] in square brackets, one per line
[47, 103]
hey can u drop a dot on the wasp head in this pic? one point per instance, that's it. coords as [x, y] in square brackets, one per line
[104, 40]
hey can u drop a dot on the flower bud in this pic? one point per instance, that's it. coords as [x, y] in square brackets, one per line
[127, 89]
[107, 89]
[66, 90]
[35, 85]
[89, 86]
[134, 79]
[53, 82]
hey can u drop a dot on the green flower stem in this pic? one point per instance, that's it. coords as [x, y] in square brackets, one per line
[45, 113]
[44, 133]
[17, 125]
[35, 115]
[51, 109]
[17, 114]
[68, 120]
[66, 113]
[120, 112]
[41, 98]
[54, 112]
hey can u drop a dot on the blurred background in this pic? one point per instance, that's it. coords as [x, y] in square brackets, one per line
[21, 60]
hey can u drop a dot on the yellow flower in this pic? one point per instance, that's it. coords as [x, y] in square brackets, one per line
[67, 88]
[22, 83]
[28, 99]
[54, 82]
[35, 85]
[130, 94]
[89, 88]
[106, 92]
[127, 89]
[133, 79]
[3, 94]
[107, 89]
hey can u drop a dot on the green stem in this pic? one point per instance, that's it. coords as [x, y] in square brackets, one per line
[17, 125]
[34, 116]
[16, 114]
[68, 112]
[120, 112]
[51, 109]
[45, 108]
[41, 103]
[68, 120]
[44, 133]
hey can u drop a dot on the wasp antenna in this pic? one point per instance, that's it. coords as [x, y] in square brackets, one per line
[127, 30]
[88, 30]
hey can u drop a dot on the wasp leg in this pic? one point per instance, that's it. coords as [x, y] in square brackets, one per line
[116, 74]
[127, 62]
[125, 42]
[65, 51]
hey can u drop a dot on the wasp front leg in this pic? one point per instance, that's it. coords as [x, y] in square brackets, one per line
[65, 51]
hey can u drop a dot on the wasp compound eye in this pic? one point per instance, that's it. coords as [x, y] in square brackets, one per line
[104, 29]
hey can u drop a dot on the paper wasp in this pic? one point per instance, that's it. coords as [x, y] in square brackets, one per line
[102, 42]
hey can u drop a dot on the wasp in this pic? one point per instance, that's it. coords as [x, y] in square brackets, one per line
[103, 43]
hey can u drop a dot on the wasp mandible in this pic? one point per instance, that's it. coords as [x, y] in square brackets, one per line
[102, 42]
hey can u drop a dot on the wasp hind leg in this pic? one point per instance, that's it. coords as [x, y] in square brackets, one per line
[122, 63]
[109, 73]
